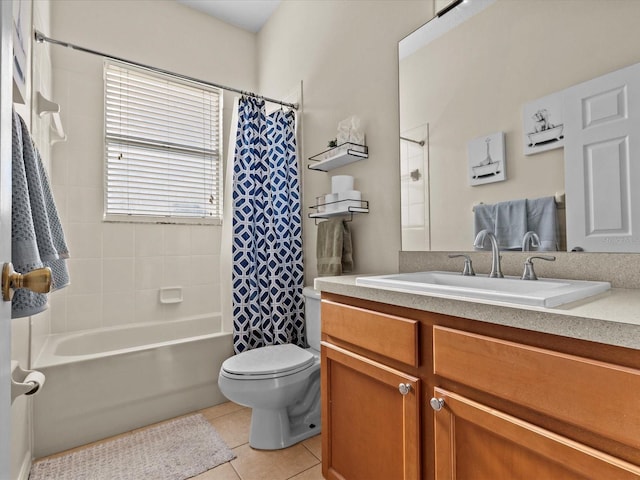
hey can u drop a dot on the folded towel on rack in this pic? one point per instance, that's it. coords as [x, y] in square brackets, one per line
[37, 239]
[334, 248]
[511, 224]
[542, 218]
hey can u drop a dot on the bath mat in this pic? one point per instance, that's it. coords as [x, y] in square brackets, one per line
[174, 450]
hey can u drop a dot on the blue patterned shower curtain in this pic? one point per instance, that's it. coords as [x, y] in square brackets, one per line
[267, 272]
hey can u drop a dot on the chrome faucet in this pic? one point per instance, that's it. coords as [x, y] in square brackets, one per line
[496, 272]
[530, 239]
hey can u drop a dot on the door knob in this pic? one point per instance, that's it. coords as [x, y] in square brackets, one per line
[38, 281]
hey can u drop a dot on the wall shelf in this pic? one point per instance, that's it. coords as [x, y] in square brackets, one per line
[339, 208]
[338, 156]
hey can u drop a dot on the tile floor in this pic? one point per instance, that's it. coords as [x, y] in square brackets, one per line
[299, 462]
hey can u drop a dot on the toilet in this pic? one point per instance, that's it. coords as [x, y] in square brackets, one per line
[281, 384]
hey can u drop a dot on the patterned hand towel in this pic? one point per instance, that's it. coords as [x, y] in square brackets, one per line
[37, 238]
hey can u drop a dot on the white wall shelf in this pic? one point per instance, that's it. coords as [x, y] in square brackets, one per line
[338, 156]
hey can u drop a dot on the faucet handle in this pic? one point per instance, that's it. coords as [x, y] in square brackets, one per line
[468, 265]
[529, 273]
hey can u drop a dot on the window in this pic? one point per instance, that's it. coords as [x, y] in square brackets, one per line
[163, 148]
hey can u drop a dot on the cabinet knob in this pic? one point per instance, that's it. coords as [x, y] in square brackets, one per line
[436, 403]
[404, 388]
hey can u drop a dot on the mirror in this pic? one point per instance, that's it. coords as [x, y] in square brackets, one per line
[467, 75]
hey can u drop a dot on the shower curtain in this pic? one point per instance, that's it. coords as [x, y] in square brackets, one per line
[267, 272]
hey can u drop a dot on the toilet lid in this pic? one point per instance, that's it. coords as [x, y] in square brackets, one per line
[270, 360]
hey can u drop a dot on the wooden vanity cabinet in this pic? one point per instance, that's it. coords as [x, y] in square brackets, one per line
[474, 440]
[370, 410]
[515, 404]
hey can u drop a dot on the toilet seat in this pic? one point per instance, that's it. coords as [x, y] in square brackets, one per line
[267, 362]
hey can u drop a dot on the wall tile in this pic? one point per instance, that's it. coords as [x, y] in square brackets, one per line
[177, 271]
[177, 240]
[205, 269]
[85, 204]
[86, 276]
[205, 240]
[118, 308]
[149, 240]
[117, 275]
[148, 272]
[148, 306]
[119, 240]
[84, 312]
[84, 240]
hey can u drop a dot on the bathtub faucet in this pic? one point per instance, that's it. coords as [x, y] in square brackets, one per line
[496, 272]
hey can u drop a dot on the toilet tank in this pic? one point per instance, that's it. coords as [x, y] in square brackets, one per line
[312, 316]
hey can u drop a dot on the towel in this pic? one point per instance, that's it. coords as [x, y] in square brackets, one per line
[542, 218]
[334, 248]
[484, 218]
[511, 224]
[37, 239]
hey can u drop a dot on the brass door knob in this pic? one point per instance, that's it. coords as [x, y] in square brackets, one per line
[38, 281]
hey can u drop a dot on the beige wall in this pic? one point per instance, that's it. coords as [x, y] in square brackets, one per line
[475, 80]
[345, 53]
[117, 269]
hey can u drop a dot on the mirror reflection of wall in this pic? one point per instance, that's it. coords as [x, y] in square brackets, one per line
[475, 79]
[414, 189]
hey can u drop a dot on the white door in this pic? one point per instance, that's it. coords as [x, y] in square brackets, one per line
[6, 75]
[602, 162]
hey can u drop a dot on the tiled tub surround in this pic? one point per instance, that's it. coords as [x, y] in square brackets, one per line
[610, 318]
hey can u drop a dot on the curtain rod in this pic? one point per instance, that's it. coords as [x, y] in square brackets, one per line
[40, 38]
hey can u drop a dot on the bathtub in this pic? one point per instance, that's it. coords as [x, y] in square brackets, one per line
[111, 380]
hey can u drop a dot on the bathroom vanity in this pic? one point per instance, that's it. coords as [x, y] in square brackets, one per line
[416, 386]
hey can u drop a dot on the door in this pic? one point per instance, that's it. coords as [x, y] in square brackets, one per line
[370, 419]
[602, 162]
[6, 85]
[473, 441]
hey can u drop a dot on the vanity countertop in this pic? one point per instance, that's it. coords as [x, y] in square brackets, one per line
[611, 318]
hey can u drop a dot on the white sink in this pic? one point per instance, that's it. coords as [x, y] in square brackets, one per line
[545, 292]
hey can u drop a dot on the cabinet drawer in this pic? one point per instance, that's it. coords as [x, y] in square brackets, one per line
[388, 335]
[597, 396]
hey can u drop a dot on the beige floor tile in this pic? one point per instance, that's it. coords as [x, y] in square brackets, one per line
[221, 472]
[314, 445]
[272, 464]
[220, 410]
[314, 473]
[234, 427]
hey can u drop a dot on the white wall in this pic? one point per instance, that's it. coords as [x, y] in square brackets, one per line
[117, 269]
[345, 53]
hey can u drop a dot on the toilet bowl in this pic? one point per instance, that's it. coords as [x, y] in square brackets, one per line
[281, 384]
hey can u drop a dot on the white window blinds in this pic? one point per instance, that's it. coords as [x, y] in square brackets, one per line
[163, 148]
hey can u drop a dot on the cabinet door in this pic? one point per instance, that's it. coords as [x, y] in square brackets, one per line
[473, 441]
[370, 430]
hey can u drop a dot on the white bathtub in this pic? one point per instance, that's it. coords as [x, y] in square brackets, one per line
[108, 381]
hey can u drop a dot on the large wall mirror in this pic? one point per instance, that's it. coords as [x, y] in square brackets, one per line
[467, 75]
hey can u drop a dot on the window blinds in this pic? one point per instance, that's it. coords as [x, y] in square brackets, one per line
[163, 148]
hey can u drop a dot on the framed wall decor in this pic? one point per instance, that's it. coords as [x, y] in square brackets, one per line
[543, 124]
[487, 163]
